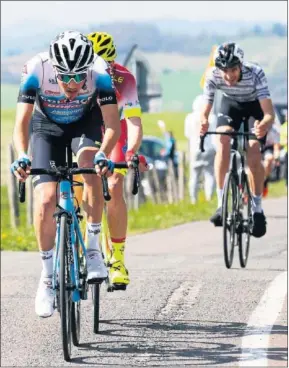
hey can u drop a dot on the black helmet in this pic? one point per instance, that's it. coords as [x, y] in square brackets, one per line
[228, 55]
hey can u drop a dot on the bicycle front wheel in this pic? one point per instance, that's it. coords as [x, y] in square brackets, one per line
[95, 300]
[75, 307]
[65, 288]
[229, 219]
[247, 223]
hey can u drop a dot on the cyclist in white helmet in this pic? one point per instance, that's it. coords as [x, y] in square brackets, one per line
[67, 92]
[245, 96]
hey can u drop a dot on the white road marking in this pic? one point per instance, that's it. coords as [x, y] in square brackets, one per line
[255, 341]
[181, 299]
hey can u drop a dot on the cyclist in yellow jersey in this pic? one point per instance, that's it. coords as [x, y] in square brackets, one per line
[126, 147]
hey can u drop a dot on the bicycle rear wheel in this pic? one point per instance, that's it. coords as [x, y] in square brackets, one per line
[65, 288]
[247, 223]
[229, 219]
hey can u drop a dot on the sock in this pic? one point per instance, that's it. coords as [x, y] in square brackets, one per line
[257, 203]
[118, 246]
[92, 236]
[47, 263]
[220, 197]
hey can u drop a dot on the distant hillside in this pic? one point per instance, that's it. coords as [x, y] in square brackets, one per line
[179, 36]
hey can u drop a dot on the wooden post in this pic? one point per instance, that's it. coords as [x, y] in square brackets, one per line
[181, 175]
[172, 179]
[12, 191]
[147, 175]
[156, 184]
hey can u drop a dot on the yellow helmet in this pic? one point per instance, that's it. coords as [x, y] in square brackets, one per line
[103, 45]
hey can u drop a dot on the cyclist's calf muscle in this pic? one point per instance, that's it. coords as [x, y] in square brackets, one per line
[44, 208]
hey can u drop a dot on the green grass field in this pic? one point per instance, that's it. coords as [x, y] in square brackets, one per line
[148, 218]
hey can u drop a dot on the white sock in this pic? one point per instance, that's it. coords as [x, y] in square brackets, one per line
[92, 236]
[257, 203]
[47, 262]
[220, 197]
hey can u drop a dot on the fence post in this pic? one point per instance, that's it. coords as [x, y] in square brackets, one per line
[12, 191]
[156, 184]
[181, 175]
[172, 181]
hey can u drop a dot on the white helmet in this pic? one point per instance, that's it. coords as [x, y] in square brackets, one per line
[228, 55]
[71, 52]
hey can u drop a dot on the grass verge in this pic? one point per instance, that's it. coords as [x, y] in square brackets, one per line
[148, 218]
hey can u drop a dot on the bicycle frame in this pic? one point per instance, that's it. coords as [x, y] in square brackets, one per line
[66, 206]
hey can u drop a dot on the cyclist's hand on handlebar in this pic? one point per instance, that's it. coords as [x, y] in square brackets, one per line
[21, 167]
[132, 159]
[204, 127]
[260, 129]
[143, 165]
[103, 166]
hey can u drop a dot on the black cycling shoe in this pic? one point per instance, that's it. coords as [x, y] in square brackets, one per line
[216, 219]
[259, 225]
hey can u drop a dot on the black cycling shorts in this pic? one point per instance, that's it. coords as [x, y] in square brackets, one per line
[233, 113]
[49, 140]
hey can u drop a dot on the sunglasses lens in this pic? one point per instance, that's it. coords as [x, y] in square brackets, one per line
[66, 78]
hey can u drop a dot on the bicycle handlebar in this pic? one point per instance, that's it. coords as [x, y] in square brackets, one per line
[232, 134]
[64, 172]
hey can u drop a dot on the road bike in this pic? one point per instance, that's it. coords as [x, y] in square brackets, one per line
[69, 260]
[237, 217]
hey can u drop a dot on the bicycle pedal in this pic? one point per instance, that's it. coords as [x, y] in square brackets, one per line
[95, 281]
[119, 286]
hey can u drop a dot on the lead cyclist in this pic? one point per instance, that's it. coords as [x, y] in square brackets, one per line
[68, 93]
[245, 95]
[125, 149]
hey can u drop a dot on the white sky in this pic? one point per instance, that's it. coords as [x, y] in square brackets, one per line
[67, 12]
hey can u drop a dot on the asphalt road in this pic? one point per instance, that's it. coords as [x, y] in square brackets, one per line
[182, 308]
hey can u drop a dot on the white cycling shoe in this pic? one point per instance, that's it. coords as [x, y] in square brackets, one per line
[96, 269]
[44, 301]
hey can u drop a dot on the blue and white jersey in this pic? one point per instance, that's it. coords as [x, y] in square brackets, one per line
[39, 86]
[251, 87]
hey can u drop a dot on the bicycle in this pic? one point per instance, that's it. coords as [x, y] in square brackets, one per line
[69, 260]
[238, 221]
[107, 252]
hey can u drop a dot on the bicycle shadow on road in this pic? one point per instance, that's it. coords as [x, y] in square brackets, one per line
[178, 343]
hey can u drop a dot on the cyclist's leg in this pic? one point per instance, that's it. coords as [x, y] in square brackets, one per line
[229, 119]
[46, 149]
[86, 136]
[256, 175]
[268, 159]
[117, 212]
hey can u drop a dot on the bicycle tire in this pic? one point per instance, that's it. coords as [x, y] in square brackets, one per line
[64, 294]
[229, 253]
[95, 300]
[244, 247]
[76, 309]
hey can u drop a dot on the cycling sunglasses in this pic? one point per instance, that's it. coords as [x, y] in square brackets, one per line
[66, 78]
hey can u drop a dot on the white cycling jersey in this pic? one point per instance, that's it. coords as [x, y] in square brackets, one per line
[39, 84]
[252, 85]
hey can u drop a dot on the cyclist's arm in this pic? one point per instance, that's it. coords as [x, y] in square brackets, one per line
[132, 114]
[264, 98]
[21, 129]
[30, 82]
[112, 127]
[268, 110]
[209, 94]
